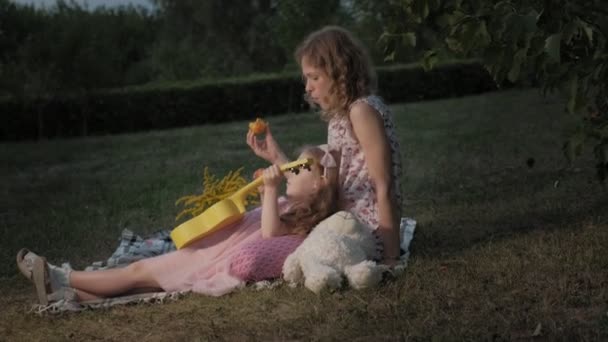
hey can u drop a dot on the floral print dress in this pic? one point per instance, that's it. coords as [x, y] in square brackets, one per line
[358, 193]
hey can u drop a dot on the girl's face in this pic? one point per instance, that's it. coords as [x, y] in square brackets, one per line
[318, 84]
[305, 183]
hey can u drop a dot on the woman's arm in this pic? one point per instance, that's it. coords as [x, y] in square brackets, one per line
[271, 223]
[267, 149]
[368, 127]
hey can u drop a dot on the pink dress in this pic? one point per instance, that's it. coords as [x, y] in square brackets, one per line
[206, 266]
[358, 194]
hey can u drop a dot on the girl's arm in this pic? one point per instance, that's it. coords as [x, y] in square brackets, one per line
[256, 174]
[368, 127]
[271, 223]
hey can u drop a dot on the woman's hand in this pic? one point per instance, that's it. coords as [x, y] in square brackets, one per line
[267, 148]
[390, 262]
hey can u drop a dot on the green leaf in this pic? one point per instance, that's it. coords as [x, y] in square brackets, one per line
[552, 46]
[498, 25]
[574, 145]
[569, 31]
[387, 41]
[537, 46]
[588, 30]
[473, 34]
[420, 9]
[455, 4]
[529, 21]
[572, 86]
[454, 17]
[434, 4]
[454, 44]
[445, 20]
[408, 39]
[476, 5]
[384, 38]
[568, 151]
[518, 60]
[390, 57]
[514, 28]
[424, 9]
[429, 59]
[483, 38]
[577, 101]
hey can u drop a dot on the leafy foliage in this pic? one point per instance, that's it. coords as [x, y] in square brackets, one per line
[68, 48]
[214, 190]
[558, 44]
[175, 104]
[214, 38]
[294, 19]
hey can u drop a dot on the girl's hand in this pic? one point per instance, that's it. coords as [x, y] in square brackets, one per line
[256, 174]
[273, 177]
[267, 148]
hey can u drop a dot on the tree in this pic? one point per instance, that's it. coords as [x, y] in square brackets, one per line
[560, 44]
[295, 19]
[211, 38]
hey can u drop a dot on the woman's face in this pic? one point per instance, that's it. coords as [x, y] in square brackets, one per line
[305, 183]
[317, 83]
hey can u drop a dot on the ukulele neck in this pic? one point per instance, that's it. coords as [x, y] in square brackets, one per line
[239, 196]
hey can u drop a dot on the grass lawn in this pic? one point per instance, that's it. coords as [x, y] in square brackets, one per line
[510, 243]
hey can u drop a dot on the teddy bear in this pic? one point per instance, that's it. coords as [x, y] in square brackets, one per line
[339, 246]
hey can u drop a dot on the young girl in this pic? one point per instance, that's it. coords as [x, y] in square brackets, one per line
[212, 265]
[340, 83]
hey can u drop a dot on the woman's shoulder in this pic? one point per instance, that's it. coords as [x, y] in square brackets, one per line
[367, 103]
[372, 98]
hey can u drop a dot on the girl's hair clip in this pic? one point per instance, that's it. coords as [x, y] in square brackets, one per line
[328, 161]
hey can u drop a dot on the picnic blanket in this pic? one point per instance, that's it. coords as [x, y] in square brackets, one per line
[132, 247]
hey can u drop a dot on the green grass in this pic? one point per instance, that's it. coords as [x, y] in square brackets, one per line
[500, 250]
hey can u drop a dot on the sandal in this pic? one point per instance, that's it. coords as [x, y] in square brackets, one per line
[35, 269]
[25, 262]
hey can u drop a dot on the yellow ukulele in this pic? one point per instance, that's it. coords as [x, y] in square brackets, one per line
[226, 211]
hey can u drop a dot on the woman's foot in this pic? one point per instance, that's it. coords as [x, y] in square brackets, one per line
[47, 278]
[34, 268]
[25, 262]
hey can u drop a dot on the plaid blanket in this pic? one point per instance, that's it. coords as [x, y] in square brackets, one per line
[132, 247]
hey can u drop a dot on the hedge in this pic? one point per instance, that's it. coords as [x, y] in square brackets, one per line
[166, 106]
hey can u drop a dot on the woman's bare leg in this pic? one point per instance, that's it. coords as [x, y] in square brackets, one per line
[112, 282]
[83, 296]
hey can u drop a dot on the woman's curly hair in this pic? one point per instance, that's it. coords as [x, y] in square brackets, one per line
[345, 61]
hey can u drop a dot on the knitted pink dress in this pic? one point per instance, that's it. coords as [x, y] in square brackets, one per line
[358, 194]
[225, 260]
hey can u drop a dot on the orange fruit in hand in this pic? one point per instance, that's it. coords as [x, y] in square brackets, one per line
[258, 126]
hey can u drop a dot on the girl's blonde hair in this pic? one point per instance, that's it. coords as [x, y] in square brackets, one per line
[303, 216]
[346, 62]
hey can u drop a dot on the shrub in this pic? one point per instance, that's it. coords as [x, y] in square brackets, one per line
[194, 103]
